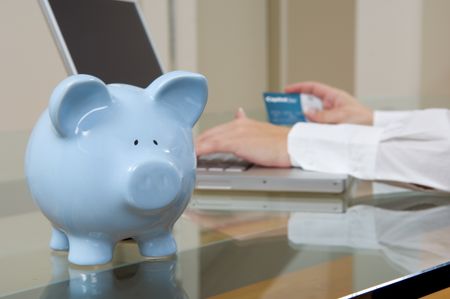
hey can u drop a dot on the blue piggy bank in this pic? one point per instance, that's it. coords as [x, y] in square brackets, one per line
[109, 162]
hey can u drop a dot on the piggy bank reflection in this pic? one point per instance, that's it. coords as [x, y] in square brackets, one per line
[151, 279]
[109, 162]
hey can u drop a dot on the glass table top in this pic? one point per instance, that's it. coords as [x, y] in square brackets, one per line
[384, 233]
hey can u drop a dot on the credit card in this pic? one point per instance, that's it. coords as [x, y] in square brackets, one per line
[286, 109]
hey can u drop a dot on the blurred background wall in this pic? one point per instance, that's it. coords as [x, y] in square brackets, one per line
[30, 67]
[390, 54]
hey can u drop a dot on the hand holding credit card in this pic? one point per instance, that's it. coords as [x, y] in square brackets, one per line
[289, 108]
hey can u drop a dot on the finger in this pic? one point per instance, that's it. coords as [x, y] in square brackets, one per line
[325, 117]
[240, 113]
[204, 148]
[216, 131]
[228, 128]
[213, 145]
[317, 89]
[329, 101]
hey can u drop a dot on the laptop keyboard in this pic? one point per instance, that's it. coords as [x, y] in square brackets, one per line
[222, 162]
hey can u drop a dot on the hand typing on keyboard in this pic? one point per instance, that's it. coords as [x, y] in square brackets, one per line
[257, 142]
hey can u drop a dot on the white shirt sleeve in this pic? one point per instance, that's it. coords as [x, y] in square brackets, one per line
[384, 118]
[410, 147]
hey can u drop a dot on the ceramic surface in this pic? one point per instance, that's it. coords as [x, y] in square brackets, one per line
[108, 162]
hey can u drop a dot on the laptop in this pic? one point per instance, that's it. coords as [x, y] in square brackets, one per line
[109, 39]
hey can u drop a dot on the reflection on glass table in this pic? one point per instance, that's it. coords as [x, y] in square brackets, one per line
[240, 253]
[149, 279]
[411, 240]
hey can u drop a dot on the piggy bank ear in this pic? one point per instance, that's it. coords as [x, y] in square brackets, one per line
[76, 102]
[184, 93]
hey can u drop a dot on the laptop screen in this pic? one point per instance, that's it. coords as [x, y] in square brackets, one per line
[107, 39]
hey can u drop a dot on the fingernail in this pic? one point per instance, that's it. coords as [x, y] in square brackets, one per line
[240, 113]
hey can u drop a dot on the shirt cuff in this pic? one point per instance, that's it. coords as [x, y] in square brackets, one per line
[384, 118]
[348, 149]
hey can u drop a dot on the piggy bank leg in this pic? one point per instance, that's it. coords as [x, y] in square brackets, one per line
[59, 240]
[155, 245]
[86, 250]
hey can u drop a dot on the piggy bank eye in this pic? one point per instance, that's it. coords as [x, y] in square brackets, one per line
[136, 142]
[155, 142]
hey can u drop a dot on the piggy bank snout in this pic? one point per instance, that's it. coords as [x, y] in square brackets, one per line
[153, 185]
